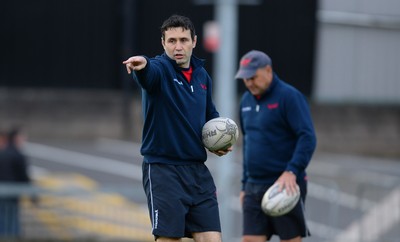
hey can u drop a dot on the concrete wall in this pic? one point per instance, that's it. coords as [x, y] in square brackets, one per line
[361, 129]
[71, 114]
[358, 52]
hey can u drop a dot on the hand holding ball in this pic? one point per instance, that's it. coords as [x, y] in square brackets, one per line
[277, 203]
[220, 134]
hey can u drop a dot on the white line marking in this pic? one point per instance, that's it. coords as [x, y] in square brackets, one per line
[380, 219]
[119, 147]
[86, 161]
[321, 230]
[337, 197]
[37, 172]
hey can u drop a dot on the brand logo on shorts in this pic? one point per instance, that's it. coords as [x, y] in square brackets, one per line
[155, 219]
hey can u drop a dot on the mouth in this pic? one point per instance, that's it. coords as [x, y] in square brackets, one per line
[179, 56]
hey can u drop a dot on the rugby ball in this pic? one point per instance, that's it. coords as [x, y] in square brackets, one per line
[275, 203]
[220, 133]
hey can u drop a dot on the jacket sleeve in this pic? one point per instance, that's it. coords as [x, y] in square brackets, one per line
[150, 76]
[300, 121]
[211, 109]
[244, 174]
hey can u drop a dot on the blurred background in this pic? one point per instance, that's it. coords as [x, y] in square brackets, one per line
[62, 81]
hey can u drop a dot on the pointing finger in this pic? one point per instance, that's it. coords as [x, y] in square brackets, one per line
[128, 69]
[127, 61]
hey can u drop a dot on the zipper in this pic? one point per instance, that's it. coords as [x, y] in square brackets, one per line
[257, 108]
[191, 88]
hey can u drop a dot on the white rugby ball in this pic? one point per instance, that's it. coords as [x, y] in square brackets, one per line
[275, 203]
[220, 133]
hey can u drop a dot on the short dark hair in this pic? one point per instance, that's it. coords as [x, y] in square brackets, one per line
[176, 21]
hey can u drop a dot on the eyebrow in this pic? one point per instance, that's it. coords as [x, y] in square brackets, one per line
[177, 38]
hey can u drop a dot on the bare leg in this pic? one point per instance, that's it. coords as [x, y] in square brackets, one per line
[297, 239]
[207, 237]
[164, 239]
[254, 238]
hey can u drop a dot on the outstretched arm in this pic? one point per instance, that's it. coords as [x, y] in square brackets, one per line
[135, 63]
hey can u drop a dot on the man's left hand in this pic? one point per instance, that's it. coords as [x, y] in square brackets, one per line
[288, 181]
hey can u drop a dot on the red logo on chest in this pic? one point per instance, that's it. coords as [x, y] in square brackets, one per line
[203, 86]
[272, 105]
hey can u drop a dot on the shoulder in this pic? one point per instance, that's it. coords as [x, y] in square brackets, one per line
[197, 62]
[289, 90]
[246, 96]
[290, 95]
[161, 64]
[159, 59]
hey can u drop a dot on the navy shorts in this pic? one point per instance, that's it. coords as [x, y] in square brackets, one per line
[256, 222]
[181, 198]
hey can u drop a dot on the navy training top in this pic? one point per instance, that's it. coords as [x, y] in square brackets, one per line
[174, 111]
[278, 133]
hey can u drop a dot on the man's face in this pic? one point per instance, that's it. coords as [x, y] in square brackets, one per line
[178, 45]
[260, 82]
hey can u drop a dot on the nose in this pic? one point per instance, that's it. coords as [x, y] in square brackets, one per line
[179, 45]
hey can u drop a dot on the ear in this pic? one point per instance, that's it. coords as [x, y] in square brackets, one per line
[194, 41]
[163, 42]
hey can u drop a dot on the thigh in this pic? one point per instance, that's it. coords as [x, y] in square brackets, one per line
[203, 214]
[181, 199]
[255, 222]
[167, 200]
[293, 225]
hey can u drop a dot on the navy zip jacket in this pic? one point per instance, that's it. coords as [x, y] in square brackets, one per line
[278, 133]
[174, 111]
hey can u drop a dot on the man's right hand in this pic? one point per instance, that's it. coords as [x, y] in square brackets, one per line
[135, 63]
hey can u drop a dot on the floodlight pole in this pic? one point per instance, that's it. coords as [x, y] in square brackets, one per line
[226, 13]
